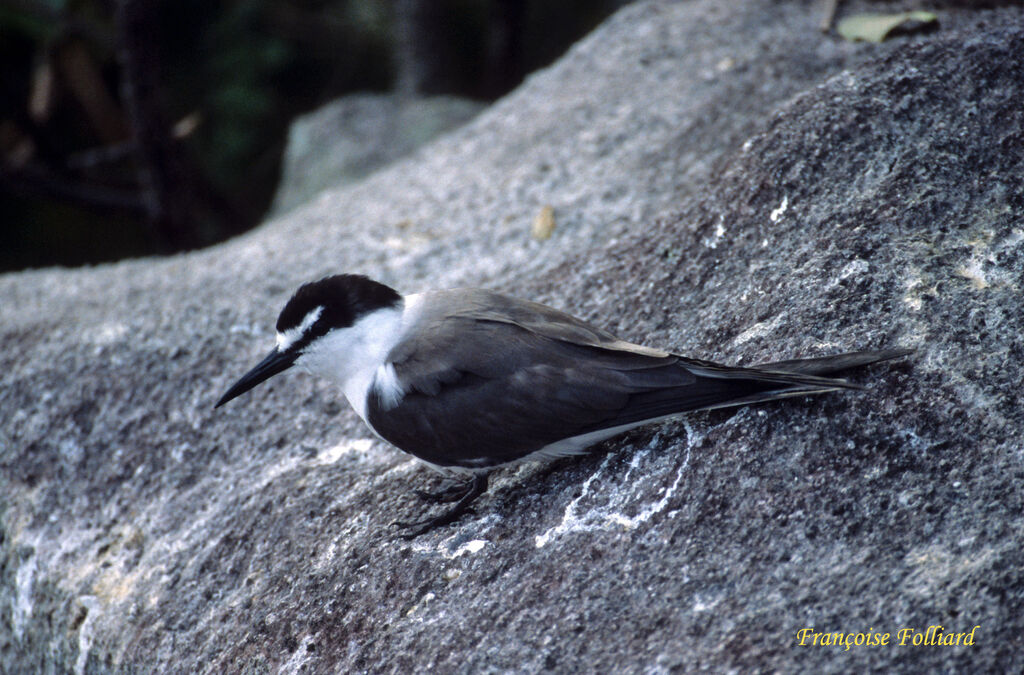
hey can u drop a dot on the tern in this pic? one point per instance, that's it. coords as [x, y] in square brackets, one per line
[470, 380]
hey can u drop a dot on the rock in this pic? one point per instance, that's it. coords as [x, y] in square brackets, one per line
[348, 139]
[729, 184]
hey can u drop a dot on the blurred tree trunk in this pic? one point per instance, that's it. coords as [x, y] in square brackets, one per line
[166, 182]
[505, 65]
[429, 62]
[418, 52]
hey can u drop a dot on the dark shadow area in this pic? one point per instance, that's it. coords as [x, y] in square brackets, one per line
[142, 127]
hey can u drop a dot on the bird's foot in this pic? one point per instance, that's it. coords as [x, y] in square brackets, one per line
[467, 493]
[453, 491]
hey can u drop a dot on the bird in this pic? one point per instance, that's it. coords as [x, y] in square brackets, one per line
[469, 380]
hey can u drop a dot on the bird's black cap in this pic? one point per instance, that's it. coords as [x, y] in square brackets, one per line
[344, 298]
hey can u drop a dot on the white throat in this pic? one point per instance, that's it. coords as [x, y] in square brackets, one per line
[355, 357]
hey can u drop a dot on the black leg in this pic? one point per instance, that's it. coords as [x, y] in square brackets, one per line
[476, 487]
[451, 491]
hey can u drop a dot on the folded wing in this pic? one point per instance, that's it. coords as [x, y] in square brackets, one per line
[499, 379]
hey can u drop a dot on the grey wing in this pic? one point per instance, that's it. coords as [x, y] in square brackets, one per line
[498, 379]
[482, 393]
[543, 321]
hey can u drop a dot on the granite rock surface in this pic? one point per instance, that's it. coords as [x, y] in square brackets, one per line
[727, 183]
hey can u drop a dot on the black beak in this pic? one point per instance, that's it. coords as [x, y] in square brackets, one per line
[275, 363]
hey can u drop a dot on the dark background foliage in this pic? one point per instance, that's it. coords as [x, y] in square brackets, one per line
[136, 127]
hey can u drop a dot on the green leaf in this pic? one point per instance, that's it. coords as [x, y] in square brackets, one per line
[878, 27]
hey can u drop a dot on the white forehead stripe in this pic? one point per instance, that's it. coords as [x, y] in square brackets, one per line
[290, 336]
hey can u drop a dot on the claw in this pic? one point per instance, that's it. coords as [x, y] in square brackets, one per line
[467, 494]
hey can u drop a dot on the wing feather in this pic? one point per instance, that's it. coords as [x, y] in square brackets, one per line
[498, 379]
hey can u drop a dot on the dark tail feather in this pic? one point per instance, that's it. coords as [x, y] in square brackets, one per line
[720, 386]
[826, 365]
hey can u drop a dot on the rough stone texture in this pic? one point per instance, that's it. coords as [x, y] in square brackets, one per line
[348, 139]
[727, 183]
